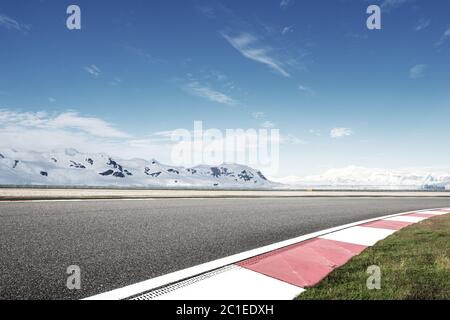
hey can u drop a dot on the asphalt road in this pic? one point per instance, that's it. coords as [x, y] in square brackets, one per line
[117, 243]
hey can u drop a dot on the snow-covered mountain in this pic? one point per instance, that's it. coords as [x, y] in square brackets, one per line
[69, 167]
[360, 177]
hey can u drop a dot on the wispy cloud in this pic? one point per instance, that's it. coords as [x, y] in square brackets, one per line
[11, 24]
[336, 133]
[267, 124]
[247, 45]
[306, 89]
[287, 29]
[207, 11]
[286, 3]
[444, 37]
[203, 91]
[422, 24]
[361, 36]
[93, 70]
[214, 10]
[142, 54]
[67, 120]
[291, 139]
[116, 81]
[258, 115]
[388, 5]
[418, 71]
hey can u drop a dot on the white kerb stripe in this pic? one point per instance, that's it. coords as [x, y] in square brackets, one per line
[359, 235]
[235, 284]
[406, 219]
[436, 213]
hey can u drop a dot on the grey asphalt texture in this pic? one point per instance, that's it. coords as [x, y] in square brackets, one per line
[118, 243]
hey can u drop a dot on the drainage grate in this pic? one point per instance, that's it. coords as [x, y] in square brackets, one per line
[150, 295]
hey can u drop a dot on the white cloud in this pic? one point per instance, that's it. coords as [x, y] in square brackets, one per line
[418, 71]
[93, 70]
[51, 100]
[422, 24]
[247, 45]
[444, 37]
[63, 121]
[202, 91]
[336, 133]
[285, 3]
[11, 24]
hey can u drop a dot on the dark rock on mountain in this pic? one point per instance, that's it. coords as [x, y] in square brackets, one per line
[114, 164]
[261, 175]
[246, 176]
[107, 173]
[215, 172]
[119, 174]
[155, 174]
[222, 171]
[73, 164]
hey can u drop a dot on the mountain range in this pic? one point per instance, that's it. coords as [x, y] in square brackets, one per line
[360, 177]
[69, 167]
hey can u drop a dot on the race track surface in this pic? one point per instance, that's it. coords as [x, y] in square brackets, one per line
[121, 242]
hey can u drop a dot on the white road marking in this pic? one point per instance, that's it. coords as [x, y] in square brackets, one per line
[407, 219]
[359, 235]
[147, 285]
[436, 213]
[236, 283]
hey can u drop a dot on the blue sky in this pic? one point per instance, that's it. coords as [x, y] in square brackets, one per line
[339, 93]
